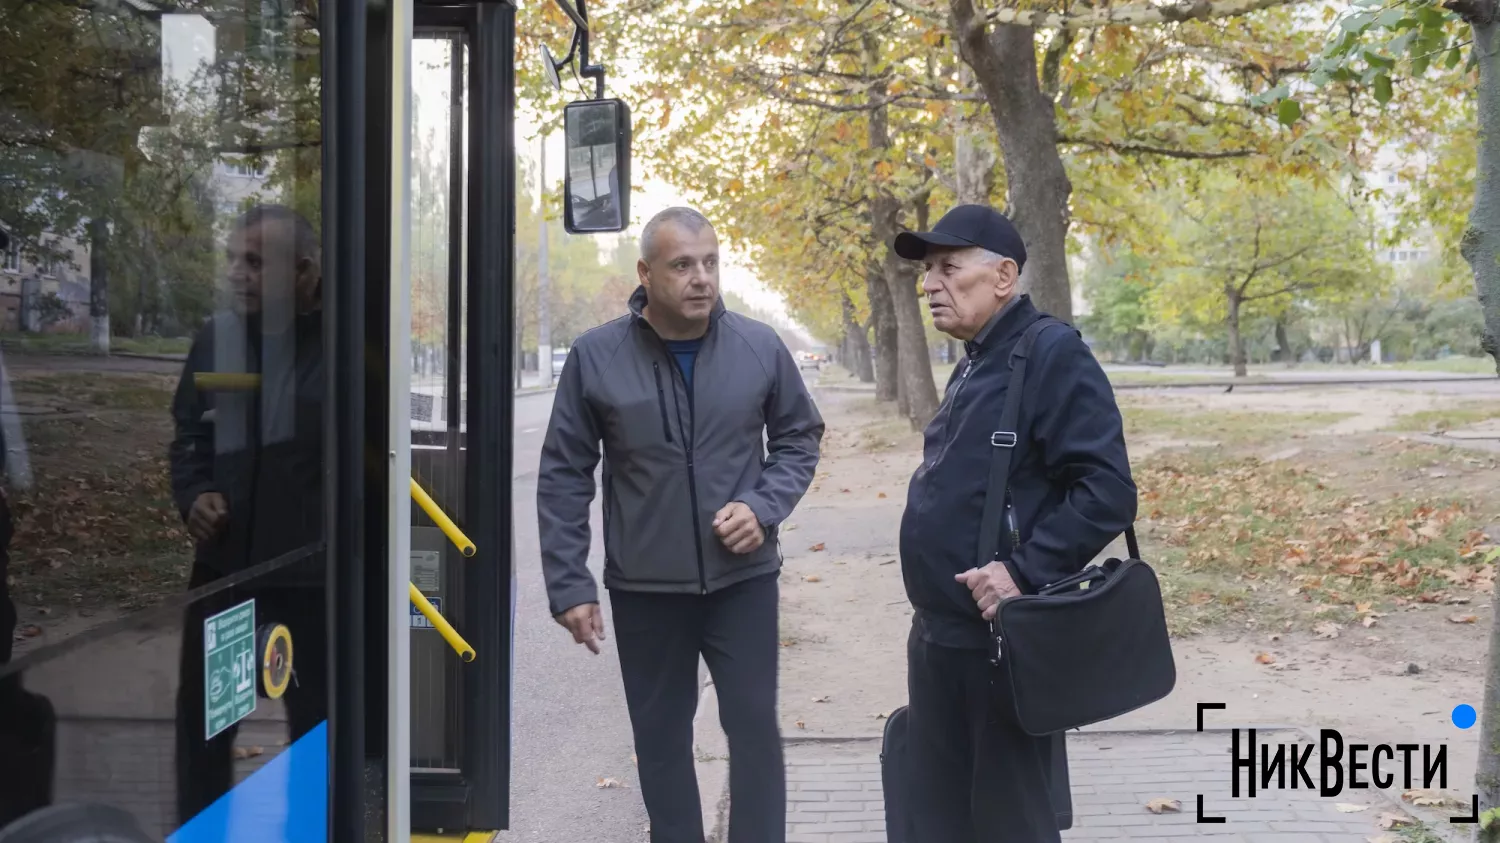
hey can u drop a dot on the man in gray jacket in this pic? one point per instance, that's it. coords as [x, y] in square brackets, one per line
[710, 438]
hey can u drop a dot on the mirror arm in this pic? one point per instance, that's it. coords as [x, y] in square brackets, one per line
[588, 71]
[572, 50]
[574, 15]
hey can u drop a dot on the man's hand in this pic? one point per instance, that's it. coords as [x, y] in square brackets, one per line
[738, 528]
[586, 622]
[208, 516]
[989, 585]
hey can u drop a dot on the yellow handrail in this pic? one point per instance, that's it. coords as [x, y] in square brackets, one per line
[444, 628]
[441, 519]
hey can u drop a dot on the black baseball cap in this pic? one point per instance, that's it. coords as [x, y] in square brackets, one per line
[962, 227]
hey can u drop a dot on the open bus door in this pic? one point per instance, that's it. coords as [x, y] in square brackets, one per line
[256, 315]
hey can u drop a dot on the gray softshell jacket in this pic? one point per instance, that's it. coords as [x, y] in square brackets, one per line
[674, 455]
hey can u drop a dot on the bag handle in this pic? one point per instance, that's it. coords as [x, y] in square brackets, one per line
[1003, 443]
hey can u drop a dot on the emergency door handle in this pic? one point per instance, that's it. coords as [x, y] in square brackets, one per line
[441, 519]
[441, 624]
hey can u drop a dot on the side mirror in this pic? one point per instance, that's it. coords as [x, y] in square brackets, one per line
[596, 181]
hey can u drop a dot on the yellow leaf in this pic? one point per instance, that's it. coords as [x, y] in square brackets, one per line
[883, 169]
[930, 161]
[1163, 805]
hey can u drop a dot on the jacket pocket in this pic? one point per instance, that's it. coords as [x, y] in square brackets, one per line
[661, 401]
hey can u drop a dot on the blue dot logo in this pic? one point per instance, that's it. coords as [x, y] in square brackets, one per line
[1464, 716]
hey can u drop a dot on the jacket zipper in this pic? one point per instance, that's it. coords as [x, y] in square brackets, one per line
[661, 399]
[687, 443]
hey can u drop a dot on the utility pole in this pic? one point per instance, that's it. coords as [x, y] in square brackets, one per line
[543, 284]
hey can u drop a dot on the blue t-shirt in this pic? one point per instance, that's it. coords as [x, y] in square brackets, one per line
[685, 351]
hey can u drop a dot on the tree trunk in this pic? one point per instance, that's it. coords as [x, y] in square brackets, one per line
[1004, 62]
[1236, 341]
[1481, 248]
[973, 166]
[1283, 346]
[883, 320]
[856, 346]
[916, 393]
[99, 286]
[1481, 241]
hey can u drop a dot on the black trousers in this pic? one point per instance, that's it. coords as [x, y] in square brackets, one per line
[976, 777]
[659, 637]
[205, 767]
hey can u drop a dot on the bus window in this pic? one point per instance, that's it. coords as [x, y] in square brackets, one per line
[163, 605]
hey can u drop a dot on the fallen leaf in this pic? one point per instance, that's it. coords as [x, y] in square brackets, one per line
[30, 630]
[1390, 820]
[1350, 808]
[1367, 621]
[1462, 618]
[801, 725]
[881, 715]
[1265, 658]
[1429, 798]
[1327, 630]
[812, 578]
[817, 548]
[823, 699]
[1362, 608]
[608, 783]
[881, 495]
[1162, 805]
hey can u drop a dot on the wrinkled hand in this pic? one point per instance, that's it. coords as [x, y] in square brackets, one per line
[738, 528]
[208, 516]
[586, 622]
[989, 585]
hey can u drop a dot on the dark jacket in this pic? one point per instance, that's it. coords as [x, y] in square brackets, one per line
[1070, 476]
[261, 448]
[746, 430]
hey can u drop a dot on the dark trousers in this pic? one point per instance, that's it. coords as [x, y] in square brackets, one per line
[660, 637]
[976, 777]
[205, 767]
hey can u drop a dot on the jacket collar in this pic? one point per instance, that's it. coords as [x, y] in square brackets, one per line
[638, 307]
[1014, 315]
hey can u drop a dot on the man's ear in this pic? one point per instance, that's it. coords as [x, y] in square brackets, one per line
[1010, 275]
[643, 273]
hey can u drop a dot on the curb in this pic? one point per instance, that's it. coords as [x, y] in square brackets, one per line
[711, 762]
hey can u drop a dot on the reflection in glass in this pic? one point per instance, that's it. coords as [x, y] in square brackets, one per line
[593, 174]
[161, 410]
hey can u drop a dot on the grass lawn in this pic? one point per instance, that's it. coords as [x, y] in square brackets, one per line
[79, 344]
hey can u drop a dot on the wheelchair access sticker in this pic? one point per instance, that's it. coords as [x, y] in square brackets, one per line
[228, 667]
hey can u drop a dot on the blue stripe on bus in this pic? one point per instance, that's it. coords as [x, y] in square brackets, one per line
[285, 801]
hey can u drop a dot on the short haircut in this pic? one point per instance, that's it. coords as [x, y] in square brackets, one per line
[685, 217]
[304, 236]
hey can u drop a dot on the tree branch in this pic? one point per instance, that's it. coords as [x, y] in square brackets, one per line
[1131, 148]
[1135, 14]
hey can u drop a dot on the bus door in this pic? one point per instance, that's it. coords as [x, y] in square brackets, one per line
[192, 231]
[461, 560]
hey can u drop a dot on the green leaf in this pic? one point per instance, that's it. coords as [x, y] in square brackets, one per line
[1455, 56]
[1289, 112]
[1420, 63]
[1402, 42]
[1383, 90]
[1391, 18]
[1354, 24]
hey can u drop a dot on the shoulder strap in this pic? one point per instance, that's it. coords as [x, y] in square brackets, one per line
[1003, 443]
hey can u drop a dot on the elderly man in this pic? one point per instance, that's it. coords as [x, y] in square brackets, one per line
[710, 439]
[976, 777]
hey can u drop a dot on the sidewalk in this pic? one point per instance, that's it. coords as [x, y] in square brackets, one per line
[834, 794]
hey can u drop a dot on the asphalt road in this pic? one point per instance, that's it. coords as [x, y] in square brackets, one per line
[570, 726]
